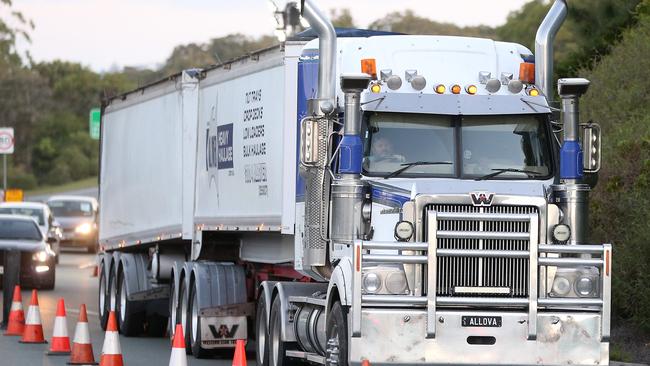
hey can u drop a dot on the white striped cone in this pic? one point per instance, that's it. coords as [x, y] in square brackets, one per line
[111, 351]
[82, 348]
[60, 340]
[33, 327]
[179, 356]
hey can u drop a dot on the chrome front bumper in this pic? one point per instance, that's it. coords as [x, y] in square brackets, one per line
[396, 337]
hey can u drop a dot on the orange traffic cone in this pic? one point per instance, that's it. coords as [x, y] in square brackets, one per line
[178, 357]
[240, 353]
[60, 339]
[33, 327]
[111, 351]
[82, 349]
[16, 324]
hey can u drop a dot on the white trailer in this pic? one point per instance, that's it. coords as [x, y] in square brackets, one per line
[359, 197]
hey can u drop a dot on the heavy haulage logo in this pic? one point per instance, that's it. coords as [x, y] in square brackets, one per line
[482, 198]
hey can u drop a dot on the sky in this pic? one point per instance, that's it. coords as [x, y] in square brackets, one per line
[109, 34]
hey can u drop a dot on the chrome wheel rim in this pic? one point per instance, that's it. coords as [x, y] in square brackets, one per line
[123, 300]
[261, 337]
[113, 295]
[183, 308]
[275, 343]
[102, 294]
[333, 348]
[195, 317]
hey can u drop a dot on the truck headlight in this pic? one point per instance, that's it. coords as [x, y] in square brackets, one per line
[576, 282]
[371, 282]
[40, 256]
[84, 228]
[386, 279]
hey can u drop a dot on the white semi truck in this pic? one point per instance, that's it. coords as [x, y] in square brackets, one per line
[359, 198]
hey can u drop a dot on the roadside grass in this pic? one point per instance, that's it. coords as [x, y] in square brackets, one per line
[80, 184]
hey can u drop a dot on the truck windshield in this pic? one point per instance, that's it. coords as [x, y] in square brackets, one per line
[475, 145]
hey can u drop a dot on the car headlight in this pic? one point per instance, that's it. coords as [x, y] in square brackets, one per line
[40, 256]
[84, 228]
[385, 280]
[576, 282]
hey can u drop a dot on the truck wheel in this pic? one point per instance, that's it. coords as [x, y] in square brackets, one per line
[337, 337]
[278, 348]
[173, 308]
[194, 326]
[104, 297]
[262, 332]
[51, 279]
[183, 299]
[130, 322]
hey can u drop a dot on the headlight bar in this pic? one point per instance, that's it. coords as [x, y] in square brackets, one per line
[426, 253]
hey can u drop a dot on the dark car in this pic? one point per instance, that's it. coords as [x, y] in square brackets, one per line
[77, 216]
[37, 260]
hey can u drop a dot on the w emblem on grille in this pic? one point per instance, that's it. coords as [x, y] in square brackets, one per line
[481, 198]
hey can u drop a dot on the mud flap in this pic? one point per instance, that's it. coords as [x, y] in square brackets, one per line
[223, 332]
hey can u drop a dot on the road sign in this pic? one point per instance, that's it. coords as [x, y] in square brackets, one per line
[93, 123]
[6, 140]
[14, 195]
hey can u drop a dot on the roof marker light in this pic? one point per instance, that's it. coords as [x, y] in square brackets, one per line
[527, 72]
[440, 89]
[369, 66]
[533, 92]
[456, 89]
[471, 89]
[375, 88]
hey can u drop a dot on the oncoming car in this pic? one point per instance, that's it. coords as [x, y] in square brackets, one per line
[77, 216]
[37, 260]
[41, 213]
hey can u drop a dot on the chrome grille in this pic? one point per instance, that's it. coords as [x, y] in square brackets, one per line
[497, 273]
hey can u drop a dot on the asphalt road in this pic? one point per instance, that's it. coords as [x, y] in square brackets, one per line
[75, 284]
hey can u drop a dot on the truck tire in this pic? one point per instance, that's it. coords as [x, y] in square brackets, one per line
[129, 321]
[262, 332]
[51, 280]
[278, 348]
[183, 309]
[336, 353]
[194, 325]
[103, 296]
[173, 311]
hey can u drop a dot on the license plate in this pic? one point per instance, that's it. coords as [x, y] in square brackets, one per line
[481, 321]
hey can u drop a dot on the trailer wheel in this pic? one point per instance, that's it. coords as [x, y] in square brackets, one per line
[130, 321]
[262, 332]
[182, 314]
[337, 337]
[173, 309]
[104, 296]
[278, 348]
[194, 325]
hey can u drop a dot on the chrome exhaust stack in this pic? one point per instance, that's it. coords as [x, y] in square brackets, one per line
[544, 47]
[316, 129]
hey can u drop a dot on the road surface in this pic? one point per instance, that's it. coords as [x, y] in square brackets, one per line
[75, 284]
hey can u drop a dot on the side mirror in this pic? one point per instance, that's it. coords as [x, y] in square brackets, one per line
[591, 146]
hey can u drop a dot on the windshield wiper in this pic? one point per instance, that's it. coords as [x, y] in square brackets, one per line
[509, 170]
[407, 166]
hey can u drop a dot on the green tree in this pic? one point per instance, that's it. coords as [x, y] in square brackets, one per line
[342, 18]
[409, 23]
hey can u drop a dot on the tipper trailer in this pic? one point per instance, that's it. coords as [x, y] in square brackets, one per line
[359, 197]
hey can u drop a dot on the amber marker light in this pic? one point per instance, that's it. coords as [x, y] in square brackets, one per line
[369, 66]
[440, 89]
[471, 89]
[456, 89]
[533, 92]
[375, 88]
